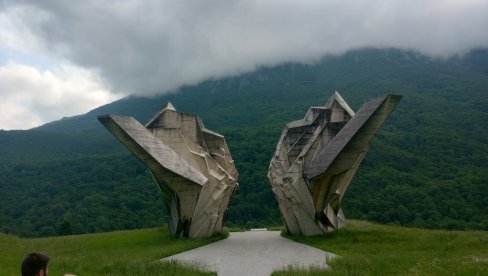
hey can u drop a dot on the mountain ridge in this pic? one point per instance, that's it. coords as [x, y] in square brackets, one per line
[425, 167]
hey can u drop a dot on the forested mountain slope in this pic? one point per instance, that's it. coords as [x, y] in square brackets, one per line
[427, 167]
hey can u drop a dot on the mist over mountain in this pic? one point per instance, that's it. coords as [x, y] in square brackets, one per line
[426, 167]
[58, 59]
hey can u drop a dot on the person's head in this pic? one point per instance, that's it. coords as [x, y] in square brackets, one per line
[35, 264]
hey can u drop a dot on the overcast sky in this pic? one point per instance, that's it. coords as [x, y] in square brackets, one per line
[63, 58]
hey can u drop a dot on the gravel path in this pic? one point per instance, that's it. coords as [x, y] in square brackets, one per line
[253, 253]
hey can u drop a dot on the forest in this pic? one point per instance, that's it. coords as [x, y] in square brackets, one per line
[426, 168]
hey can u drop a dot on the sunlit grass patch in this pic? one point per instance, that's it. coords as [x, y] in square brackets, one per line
[372, 249]
[135, 252]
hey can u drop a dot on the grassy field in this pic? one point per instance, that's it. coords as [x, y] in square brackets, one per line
[134, 252]
[366, 249]
[372, 249]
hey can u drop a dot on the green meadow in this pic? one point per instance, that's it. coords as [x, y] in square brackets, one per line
[372, 249]
[365, 249]
[134, 252]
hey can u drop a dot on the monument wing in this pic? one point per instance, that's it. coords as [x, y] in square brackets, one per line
[191, 165]
[317, 157]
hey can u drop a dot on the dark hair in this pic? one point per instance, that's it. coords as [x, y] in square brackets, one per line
[33, 263]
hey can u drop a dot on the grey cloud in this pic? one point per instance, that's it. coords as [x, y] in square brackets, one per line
[31, 97]
[148, 47]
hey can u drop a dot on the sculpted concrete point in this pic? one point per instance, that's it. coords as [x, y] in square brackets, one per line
[317, 157]
[191, 164]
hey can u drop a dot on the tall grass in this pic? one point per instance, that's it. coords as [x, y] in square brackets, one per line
[372, 249]
[135, 252]
[366, 249]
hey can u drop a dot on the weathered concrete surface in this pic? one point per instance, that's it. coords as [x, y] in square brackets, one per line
[191, 164]
[254, 253]
[317, 157]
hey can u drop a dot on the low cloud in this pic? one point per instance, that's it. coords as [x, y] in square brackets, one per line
[148, 47]
[155, 46]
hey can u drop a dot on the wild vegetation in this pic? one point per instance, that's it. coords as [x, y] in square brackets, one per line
[135, 252]
[373, 249]
[364, 248]
[426, 168]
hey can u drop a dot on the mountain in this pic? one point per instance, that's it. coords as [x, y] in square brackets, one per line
[426, 168]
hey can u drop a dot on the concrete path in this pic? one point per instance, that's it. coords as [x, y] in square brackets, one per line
[253, 253]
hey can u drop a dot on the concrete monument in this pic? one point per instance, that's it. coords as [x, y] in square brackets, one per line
[317, 157]
[191, 164]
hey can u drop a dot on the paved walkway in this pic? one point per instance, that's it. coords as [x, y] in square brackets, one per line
[253, 253]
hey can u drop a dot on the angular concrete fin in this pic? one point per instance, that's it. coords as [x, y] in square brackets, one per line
[167, 106]
[149, 149]
[353, 138]
[191, 165]
[311, 115]
[332, 141]
[336, 97]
